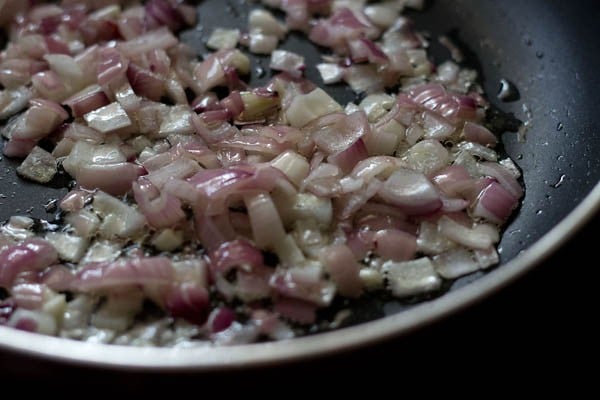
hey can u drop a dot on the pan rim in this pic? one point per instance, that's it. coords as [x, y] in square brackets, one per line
[298, 349]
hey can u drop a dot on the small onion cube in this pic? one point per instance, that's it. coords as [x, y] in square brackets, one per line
[222, 38]
[262, 44]
[411, 278]
[108, 118]
[308, 107]
[330, 73]
[412, 192]
[283, 60]
[455, 263]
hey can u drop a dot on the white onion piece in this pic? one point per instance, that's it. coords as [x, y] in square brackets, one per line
[487, 258]
[308, 107]
[379, 166]
[33, 321]
[455, 263]
[282, 60]
[478, 150]
[84, 222]
[330, 73]
[13, 101]
[436, 127]
[262, 44]
[427, 156]
[222, 38]
[39, 166]
[68, 70]
[267, 228]
[69, 247]
[363, 79]
[262, 21]
[383, 15]
[293, 165]
[431, 241]
[411, 191]
[410, 278]
[481, 236]
[108, 118]
[510, 165]
[119, 219]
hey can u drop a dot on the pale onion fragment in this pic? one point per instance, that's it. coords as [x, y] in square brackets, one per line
[411, 278]
[108, 118]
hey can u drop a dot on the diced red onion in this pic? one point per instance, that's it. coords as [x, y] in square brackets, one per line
[220, 319]
[479, 134]
[395, 245]
[334, 133]
[296, 310]
[164, 13]
[303, 285]
[411, 191]
[31, 255]
[214, 230]
[188, 301]
[495, 203]
[145, 83]
[341, 265]
[347, 159]
[111, 178]
[162, 210]
[123, 273]
[504, 177]
[365, 50]
[238, 253]
[89, 99]
[160, 38]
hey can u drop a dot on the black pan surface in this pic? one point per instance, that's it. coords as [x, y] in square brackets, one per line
[546, 47]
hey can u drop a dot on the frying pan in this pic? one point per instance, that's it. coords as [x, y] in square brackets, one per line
[545, 47]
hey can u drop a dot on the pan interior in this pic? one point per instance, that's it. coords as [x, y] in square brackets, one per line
[539, 45]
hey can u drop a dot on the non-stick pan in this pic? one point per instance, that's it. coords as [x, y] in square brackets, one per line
[547, 48]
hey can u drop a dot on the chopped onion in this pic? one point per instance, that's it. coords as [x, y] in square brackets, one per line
[265, 203]
[31, 255]
[409, 278]
[344, 270]
[412, 192]
[221, 38]
[479, 237]
[39, 166]
[495, 203]
[292, 63]
[308, 107]
[109, 118]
